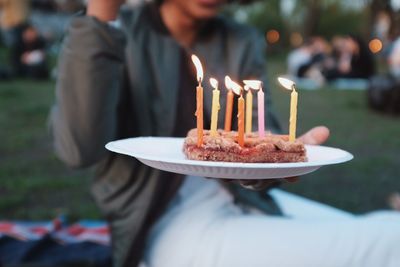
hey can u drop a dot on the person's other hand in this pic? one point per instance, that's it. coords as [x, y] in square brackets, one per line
[104, 10]
[315, 136]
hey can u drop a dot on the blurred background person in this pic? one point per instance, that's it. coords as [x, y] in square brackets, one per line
[299, 57]
[394, 59]
[32, 51]
[310, 60]
[353, 59]
[14, 15]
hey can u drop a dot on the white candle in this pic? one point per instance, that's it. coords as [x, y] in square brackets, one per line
[215, 107]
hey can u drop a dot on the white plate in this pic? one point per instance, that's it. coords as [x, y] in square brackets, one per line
[166, 154]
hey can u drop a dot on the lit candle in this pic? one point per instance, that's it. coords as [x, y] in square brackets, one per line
[199, 100]
[239, 91]
[293, 115]
[249, 109]
[290, 85]
[215, 107]
[241, 120]
[261, 120]
[229, 105]
[257, 85]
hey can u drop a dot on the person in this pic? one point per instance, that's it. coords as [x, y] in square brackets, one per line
[33, 57]
[394, 59]
[299, 57]
[13, 18]
[133, 77]
[353, 59]
[310, 60]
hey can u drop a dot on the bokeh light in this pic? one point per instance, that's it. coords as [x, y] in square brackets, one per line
[375, 45]
[272, 36]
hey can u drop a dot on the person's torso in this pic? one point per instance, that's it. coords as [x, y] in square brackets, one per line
[161, 78]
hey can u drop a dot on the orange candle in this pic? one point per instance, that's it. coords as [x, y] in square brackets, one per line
[229, 105]
[199, 100]
[241, 120]
[237, 89]
[199, 115]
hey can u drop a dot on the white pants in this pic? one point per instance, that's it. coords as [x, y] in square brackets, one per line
[207, 229]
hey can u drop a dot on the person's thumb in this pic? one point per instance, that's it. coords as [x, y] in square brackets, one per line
[315, 136]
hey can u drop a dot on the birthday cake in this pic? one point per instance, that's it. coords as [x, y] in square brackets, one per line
[224, 147]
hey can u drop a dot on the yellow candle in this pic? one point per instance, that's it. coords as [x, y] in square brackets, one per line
[241, 121]
[293, 115]
[215, 107]
[290, 85]
[199, 100]
[255, 85]
[228, 113]
[249, 110]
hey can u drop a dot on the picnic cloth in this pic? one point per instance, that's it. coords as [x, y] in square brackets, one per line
[54, 243]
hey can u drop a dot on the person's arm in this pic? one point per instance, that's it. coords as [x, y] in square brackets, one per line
[91, 66]
[104, 10]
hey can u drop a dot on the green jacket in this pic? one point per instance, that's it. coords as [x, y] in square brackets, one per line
[122, 82]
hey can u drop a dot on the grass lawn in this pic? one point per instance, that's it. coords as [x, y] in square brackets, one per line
[35, 185]
[364, 183]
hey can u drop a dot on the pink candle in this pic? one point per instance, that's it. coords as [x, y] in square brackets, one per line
[261, 121]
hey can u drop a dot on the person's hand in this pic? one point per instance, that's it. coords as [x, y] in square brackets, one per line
[315, 136]
[104, 10]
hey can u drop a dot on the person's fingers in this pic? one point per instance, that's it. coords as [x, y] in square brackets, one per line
[292, 179]
[394, 201]
[226, 180]
[315, 136]
[256, 185]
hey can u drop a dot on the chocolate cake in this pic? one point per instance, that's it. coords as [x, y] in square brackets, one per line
[224, 147]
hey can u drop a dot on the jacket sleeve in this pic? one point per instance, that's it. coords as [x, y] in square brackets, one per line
[83, 118]
[254, 67]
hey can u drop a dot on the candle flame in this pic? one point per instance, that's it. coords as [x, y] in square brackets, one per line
[214, 83]
[236, 88]
[228, 82]
[288, 84]
[199, 68]
[252, 84]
